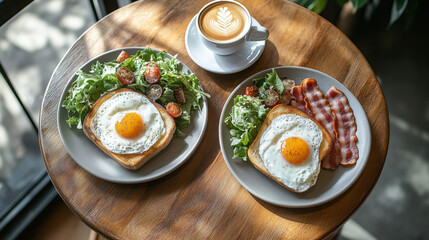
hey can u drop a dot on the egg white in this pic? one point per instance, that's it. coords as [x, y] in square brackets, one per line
[114, 109]
[298, 177]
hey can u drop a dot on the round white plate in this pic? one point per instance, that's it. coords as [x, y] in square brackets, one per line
[330, 184]
[206, 59]
[92, 159]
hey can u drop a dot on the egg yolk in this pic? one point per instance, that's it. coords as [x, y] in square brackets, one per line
[295, 150]
[130, 126]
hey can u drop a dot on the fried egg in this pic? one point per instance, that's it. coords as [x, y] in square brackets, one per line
[127, 123]
[289, 148]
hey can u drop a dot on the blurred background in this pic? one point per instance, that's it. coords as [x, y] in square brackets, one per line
[392, 35]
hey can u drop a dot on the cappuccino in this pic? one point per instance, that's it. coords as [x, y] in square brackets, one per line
[223, 21]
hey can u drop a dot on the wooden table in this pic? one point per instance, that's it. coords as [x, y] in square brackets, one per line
[202, 199]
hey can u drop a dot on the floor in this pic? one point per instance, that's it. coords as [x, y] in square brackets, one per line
[397, 208]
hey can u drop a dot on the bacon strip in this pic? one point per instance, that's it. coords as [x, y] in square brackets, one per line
[299, 99]
[322, 112]
[345, 125]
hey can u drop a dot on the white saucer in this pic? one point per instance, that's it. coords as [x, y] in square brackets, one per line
[203, 57]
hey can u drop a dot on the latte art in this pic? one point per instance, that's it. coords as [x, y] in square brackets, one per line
[223, 21]
[224, 24]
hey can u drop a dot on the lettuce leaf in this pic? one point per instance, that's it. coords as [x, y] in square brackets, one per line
[271, 81]
[245, 120]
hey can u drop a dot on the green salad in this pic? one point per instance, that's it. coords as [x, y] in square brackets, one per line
[161, 78]
[250, 110]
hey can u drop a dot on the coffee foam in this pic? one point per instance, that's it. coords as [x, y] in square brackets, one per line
[223, 21]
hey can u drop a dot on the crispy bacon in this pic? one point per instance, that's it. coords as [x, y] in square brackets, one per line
[345, 125]
[298, 100]
[322, 112]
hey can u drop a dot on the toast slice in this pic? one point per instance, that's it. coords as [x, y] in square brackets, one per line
[253, 151]
[131, 161]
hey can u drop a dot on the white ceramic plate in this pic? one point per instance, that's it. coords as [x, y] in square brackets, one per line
[330, 184]
[96, 162]
[206, 59]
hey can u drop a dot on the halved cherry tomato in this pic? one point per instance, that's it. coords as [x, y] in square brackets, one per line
[152, 64]
[125, 75]
[122, 56]
[179, 95]
[154, 91]
[152, 74]
[271, 98]
[174, 109]
[252, 91]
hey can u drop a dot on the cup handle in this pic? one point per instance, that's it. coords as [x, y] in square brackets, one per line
[257, 33]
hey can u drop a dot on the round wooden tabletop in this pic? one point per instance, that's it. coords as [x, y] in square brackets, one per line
[202, 199]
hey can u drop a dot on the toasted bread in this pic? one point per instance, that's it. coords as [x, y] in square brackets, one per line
[131, 161]
[253, 151]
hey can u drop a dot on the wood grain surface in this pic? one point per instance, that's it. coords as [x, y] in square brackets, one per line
[202, 199]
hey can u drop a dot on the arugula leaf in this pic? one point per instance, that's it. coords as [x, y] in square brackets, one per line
[85, 90]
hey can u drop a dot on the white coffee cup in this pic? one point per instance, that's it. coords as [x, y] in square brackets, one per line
[225, 25]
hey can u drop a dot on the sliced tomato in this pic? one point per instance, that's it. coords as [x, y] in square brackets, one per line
[152, 64]
[271, 98]
[154, 91]
[174, 109]
[122, 56]
[152, 74]
[179, 95]
[252, 91]
[125, 75]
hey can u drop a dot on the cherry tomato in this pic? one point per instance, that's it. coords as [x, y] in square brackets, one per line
[179, 95]
[125, 75]
[174, 109]
[154, 91]
[152, 74]
[252, 91]
[152, 64]
[271, 98]
[122, 56]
